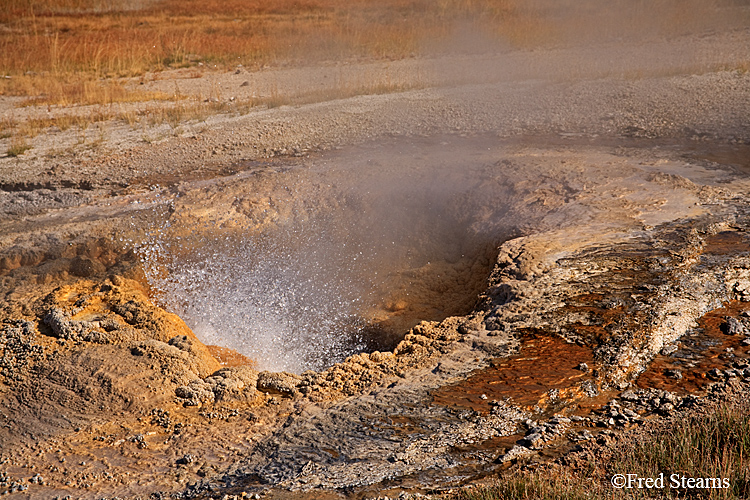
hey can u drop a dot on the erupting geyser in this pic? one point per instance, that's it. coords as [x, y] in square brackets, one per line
[282, 299]
[298, 267]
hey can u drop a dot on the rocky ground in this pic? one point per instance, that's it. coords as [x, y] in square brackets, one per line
[609, 185]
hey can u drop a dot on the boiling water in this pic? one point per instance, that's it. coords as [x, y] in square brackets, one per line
[299, 266]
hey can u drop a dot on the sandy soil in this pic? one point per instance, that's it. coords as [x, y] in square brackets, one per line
[568, 206]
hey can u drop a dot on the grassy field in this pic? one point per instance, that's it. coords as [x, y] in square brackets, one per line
[712, 446]
[74, 51]
[59, 51]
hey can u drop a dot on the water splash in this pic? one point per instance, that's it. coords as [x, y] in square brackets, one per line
[285, 297]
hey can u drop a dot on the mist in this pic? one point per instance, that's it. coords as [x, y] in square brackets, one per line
[362, 245]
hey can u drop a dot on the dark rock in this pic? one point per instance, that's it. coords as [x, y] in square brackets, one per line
[139, 441]
[533, 440]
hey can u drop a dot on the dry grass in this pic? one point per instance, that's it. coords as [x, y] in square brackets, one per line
[7, 126]
[57, 51]
[18, 146]
[716, 445]
[531, 487]
[712, 446]
[58, 91]
[180, 109]
[65, 52]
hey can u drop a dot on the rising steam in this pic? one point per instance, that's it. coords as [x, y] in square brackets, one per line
[361, 246]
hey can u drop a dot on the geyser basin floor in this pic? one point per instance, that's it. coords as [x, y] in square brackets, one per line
[619, 257]
[618, 260]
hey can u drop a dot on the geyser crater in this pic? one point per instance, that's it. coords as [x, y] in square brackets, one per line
[298, 266]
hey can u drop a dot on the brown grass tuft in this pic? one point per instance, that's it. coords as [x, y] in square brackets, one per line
[18, 146]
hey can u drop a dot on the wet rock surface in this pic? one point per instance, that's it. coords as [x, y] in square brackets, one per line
[618, 295]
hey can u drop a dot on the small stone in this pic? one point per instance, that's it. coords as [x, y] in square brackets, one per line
[559, 420]
[666, 408]
[673, 373]
[629, 395]
[483, 396]
[187, 459]
[589, 388]
[583, 367]
[629, 413]
[669, 349]
[715, 374]
[532, 440]
[513, 454]
[670, 397]
[732, 327]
